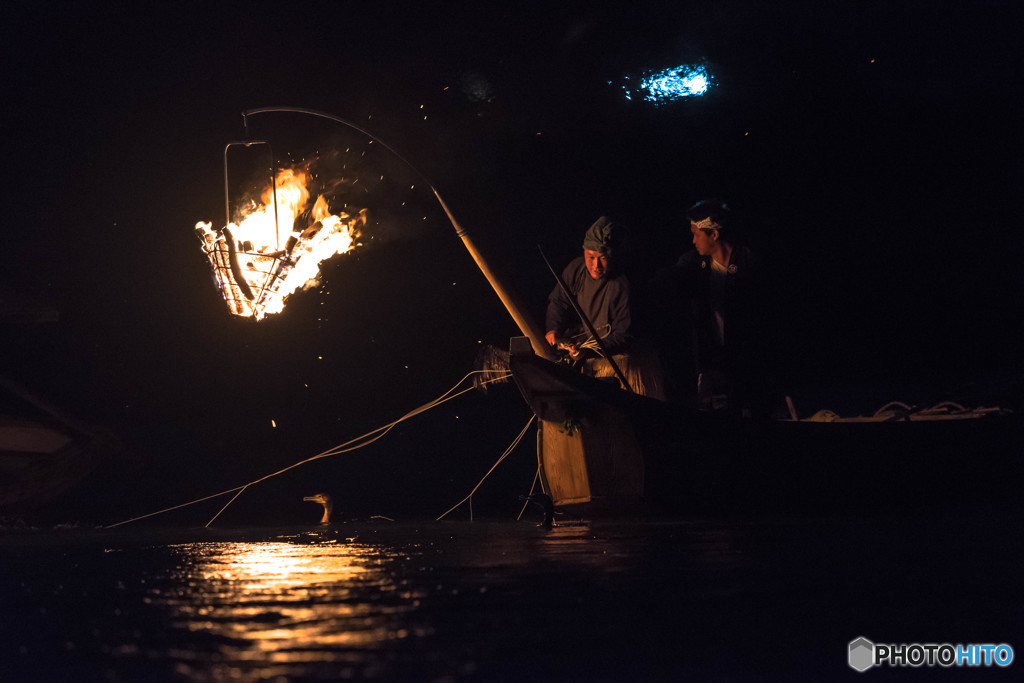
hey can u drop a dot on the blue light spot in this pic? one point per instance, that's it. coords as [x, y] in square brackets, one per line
[669, 85]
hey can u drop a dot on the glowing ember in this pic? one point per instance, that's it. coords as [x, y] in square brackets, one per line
[259, 261]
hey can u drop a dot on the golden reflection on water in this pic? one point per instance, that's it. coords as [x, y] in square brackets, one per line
[288, 603]
[577, 544]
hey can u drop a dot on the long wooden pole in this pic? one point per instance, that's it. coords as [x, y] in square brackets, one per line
[526, 324]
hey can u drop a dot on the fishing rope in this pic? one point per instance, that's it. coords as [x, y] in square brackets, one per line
[342, 448]
[227, 504]
[504, 455]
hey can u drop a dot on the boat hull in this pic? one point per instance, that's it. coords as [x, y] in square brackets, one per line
[602, 449]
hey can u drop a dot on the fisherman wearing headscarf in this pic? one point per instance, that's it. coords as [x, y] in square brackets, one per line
[720, 288]
[600, 288]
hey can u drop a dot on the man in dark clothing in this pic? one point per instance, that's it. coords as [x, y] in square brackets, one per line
[721, 292]
[601, 290]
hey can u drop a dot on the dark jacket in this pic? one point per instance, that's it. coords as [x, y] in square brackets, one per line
[605, 302]
[688, 332]
[740, 309]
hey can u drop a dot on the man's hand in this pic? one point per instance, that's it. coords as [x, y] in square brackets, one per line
[573, 350]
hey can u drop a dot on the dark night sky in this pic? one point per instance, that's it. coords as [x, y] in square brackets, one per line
[871, 149]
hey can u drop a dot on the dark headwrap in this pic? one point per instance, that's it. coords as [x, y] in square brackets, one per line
[603, 236]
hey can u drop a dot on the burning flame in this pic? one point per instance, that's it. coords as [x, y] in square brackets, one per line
[265, 257]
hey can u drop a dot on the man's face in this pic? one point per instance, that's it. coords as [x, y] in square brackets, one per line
[703, 240]
[598, 264]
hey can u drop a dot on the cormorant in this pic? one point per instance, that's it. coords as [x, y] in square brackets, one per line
[324, 500]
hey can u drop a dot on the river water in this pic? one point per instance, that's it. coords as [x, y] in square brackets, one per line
[672, 599]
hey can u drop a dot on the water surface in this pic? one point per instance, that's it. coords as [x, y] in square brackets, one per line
[703, 599]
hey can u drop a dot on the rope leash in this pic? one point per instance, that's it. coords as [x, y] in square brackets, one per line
[342, 448]
[512, 446]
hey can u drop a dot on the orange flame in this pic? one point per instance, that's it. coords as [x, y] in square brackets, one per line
[264, 258]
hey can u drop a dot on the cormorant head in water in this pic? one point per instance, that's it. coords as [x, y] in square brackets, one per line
[324, 500]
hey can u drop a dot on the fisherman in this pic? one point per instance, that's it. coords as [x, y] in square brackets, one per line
[719, 288]
[601, 290]
[597, 282]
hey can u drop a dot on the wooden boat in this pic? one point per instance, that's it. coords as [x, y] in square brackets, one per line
[603, 449]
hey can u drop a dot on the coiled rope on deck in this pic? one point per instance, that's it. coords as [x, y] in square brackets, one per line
[348, 446]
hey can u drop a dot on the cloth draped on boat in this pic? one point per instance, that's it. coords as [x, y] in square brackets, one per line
[641, 367]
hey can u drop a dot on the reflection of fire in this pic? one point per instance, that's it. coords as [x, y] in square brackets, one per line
[266, 256]
[285, 611]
